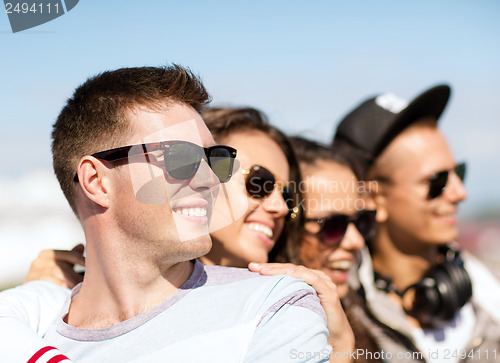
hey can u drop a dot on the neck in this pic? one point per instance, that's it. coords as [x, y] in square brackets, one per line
[404, 267]
[120, 287]
[404, 262]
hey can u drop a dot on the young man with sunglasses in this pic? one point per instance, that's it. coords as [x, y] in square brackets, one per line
[141, 171]
[422, 298]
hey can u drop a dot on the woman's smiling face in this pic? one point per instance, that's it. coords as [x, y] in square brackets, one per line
[252, 236]
[330, 188]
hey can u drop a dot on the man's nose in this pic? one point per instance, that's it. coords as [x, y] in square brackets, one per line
[455, 188]
[204, 178]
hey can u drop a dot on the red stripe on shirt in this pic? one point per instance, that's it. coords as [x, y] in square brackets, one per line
[38, 354]
[57, 358]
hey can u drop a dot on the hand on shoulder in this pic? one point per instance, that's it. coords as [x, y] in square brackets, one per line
[341, 335]
[57, 266]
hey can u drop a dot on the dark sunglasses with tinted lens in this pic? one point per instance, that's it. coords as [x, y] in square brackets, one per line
[181, 159]
[260, 183]
[438, 181]
[334, 227]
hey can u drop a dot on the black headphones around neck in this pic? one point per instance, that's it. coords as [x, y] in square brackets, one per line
[443, 290]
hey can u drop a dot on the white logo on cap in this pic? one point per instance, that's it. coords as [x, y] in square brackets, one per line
[391, 102]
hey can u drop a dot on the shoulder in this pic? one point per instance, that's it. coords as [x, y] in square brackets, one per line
[476, 268]
[234, 277]
[289, 293]
[220, 275]
[36, 291]
[35, 298]
[269, 293]
[289, 311]
[485, 286]
[35, 304]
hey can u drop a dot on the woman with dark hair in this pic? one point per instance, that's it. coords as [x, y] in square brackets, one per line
[336, 225]
[262, 234]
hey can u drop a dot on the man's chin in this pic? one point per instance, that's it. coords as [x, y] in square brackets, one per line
[447, 236]
[191, 228]
[198, 246]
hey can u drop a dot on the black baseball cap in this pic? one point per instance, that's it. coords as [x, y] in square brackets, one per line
[367, 130]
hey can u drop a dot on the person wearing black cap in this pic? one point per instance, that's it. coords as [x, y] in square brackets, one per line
[421, 298]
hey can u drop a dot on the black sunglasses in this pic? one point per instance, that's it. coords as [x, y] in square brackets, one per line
[181, 159]
[260, 183]
[334, 227]
[438, 181]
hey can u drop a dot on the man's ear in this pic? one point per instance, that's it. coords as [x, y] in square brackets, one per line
[368, 194]
[376, 199]
[380, 201]
[93, 180]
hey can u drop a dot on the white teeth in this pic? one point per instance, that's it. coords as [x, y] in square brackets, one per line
[192, 212]
[341, 265]
[268, 232]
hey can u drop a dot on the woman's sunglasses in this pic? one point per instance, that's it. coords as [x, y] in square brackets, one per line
[334, 227]
[181, 159]
[438, 181]
[260, 183]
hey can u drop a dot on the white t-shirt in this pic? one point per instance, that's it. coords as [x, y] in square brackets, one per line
[446, 344]
[219, 315]
[26, 312]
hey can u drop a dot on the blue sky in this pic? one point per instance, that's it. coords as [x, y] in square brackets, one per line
[306, 64]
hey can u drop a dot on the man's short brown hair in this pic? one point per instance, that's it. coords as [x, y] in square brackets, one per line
[94, 119]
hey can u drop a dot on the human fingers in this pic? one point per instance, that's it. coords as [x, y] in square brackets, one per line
[45, 268]
[70, 276]
[315, 278]
[322, 284]
[57, 266]
[272, 268]
[73, 257]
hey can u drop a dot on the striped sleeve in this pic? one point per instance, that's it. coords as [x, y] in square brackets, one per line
[25, 314]
[48, 354]
[292, 328]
